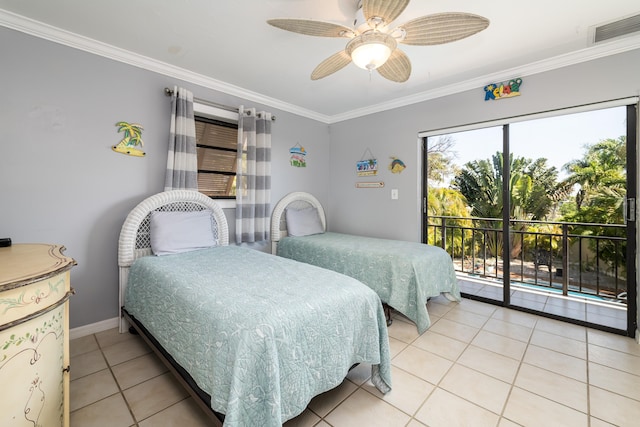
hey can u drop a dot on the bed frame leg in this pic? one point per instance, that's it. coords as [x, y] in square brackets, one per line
[387, 313]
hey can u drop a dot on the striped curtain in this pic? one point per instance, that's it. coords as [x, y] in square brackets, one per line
[253, 176]
[182, 163]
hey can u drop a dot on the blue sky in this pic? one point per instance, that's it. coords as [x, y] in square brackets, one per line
[558, 139]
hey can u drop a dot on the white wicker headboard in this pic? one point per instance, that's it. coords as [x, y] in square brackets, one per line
[135, 241]
[296, 200]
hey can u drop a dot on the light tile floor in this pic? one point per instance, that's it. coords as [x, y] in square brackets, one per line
[477, 365]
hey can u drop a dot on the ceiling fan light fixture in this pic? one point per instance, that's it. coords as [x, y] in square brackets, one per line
[373, 44]
[371, 50]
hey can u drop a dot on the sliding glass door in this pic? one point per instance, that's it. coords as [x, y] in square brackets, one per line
[539, 214]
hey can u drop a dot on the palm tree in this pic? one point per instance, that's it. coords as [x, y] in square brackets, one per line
[603, 166]
[132, 138]
[600, 178]
[532, 191]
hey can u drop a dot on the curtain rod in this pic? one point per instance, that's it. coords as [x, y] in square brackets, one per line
[169, 92]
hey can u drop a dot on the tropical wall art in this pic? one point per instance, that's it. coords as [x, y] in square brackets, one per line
[367, 166]
[503, 90]
[132, 138]
[297, 158]
[396, 165]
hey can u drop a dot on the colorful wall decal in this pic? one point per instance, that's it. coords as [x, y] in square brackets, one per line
[503, 90]
[297, 158]
[132, 138]
[396, 165]
[367, 166]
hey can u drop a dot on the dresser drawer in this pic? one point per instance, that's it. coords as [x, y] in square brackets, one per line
[20, 302]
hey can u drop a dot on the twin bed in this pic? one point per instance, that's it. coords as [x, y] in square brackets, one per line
[403, 274]
[253, 336]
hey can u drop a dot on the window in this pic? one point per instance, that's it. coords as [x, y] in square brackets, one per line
[216, 143]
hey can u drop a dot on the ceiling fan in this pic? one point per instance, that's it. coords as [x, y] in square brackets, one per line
[373, 43]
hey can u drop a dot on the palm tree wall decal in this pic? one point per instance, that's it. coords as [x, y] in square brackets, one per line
[132, 138]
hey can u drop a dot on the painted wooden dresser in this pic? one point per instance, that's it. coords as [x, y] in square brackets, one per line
[34, 335]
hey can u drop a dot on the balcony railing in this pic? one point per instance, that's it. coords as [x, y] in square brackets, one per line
[581, 259]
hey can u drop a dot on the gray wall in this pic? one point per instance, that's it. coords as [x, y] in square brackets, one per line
[61, 183]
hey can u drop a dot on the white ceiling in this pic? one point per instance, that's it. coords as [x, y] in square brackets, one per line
[227, 45]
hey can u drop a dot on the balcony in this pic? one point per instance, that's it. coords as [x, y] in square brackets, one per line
[572, 270]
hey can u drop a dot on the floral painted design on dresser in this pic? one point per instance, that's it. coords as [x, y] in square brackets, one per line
[34, 339]
[53, 325]
[32, 360]
[32, 296]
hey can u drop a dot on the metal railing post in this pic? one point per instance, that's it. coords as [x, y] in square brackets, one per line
[565, 259]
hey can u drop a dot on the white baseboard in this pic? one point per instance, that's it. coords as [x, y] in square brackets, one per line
[93, 328]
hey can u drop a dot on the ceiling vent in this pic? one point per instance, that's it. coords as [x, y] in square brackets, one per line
[622, 27]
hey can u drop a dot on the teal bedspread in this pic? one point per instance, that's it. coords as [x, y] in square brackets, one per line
[403, 274]
[261, 334]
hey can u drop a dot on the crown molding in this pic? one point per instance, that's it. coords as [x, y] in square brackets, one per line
[57, 35]
[560, 61]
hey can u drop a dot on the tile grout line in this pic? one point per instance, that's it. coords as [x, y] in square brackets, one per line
[126, 402]
[521, 362]
[515, 377]
[337, 404]
[512, 383]
[437, 386]
[119, 392]
[135, 419]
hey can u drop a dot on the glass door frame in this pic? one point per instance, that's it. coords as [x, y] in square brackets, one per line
[631, 216]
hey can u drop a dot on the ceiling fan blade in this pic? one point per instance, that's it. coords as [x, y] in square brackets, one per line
[312, 28]
[385, 9]
[335, 62]
[442, 28]
[397, 68]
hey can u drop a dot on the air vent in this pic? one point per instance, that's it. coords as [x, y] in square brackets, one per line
[619, 28]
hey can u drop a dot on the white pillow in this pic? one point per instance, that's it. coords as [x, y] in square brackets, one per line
[303, 222]
[175, 232]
